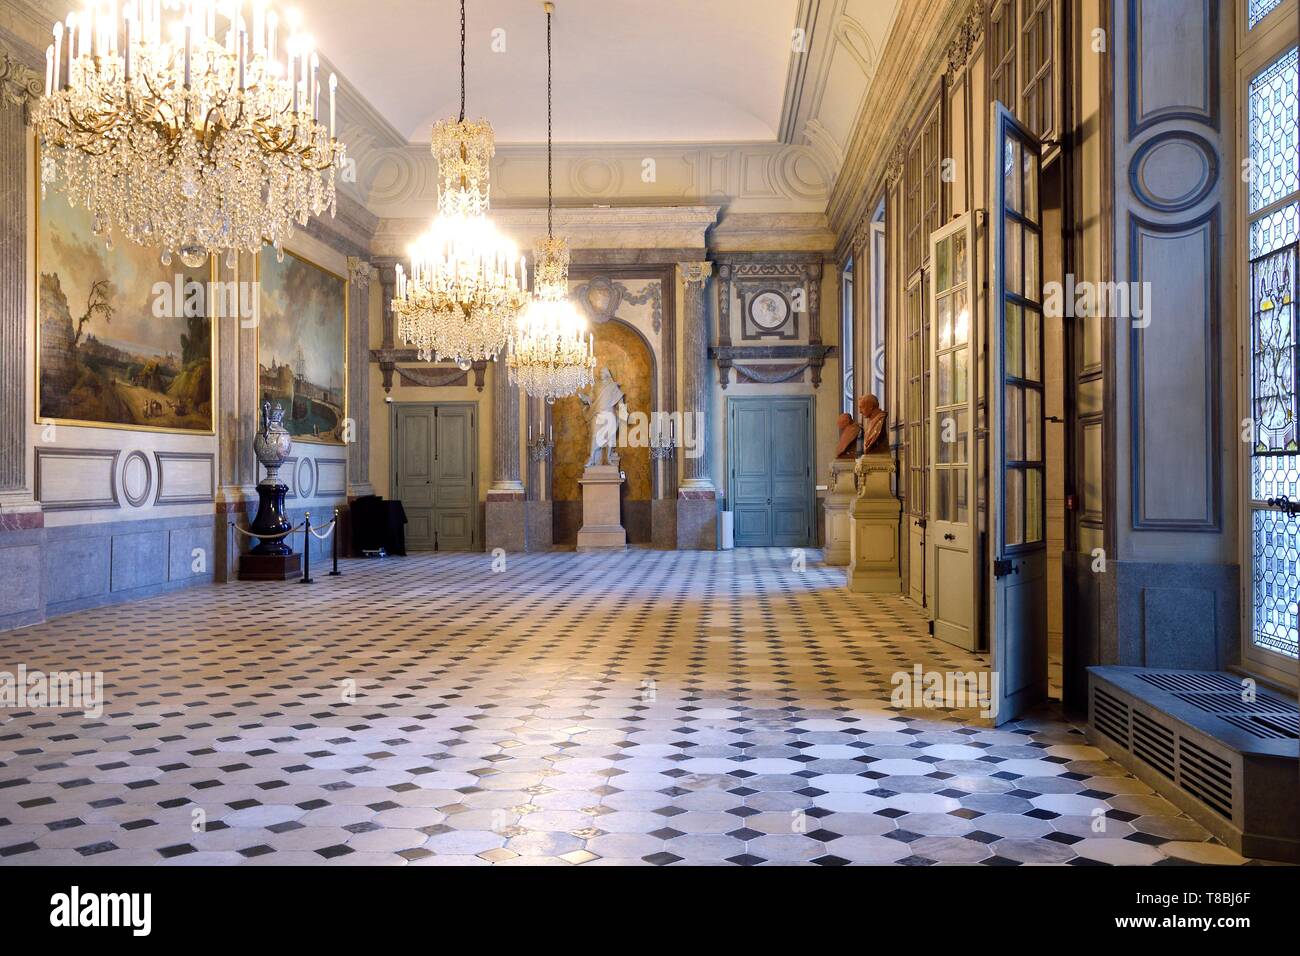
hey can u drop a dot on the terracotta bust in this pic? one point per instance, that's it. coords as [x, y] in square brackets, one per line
[873, 424]
[849, 432]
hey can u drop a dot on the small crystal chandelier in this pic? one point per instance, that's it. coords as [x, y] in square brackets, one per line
[182, 125]
[467, 282]
[551, 352]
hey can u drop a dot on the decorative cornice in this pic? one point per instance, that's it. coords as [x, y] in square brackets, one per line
[19, 85]
[771, 232]
[918, 41]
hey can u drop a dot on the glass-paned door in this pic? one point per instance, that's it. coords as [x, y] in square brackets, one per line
[1018, 598]
[951, 538]
[1272, 194]
[918, 434]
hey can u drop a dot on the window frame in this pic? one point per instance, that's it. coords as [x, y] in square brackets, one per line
[1271, 39]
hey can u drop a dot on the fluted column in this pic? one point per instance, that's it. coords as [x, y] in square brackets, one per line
[505, 434]
[697, 507]
[19, 86]
[696, 396]
[359, 376]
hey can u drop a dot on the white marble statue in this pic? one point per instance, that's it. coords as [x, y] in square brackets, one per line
[602, 412]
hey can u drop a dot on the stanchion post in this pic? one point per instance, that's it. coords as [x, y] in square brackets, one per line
[335, 543]
[306, 550]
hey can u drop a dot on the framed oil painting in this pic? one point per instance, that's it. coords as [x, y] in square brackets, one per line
[302, 344]
[122, 341]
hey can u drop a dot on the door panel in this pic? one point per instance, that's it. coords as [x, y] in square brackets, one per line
[455, 499]
[414, 477]
[769, 448]
[1018, 583]
[435, 451]
[952, 342]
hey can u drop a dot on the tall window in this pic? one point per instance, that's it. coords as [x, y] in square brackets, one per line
[1259, 9]
[1036, 41]
[847, 345]
[1022, 57]
[1002, 52]
[1272, 194]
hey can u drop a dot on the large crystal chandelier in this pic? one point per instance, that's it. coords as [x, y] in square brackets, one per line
[187, 125]
[551, 352]
[467, 282]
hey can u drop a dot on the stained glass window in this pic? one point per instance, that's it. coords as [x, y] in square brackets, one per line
[1273, 208]
[1272, 280]
[1273, 135]
[1277, 582]
[1259, 9]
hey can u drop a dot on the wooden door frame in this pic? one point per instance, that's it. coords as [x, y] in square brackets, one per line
[811, 403]
[477, 532]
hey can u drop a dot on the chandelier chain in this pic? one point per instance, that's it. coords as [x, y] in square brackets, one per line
[550, 201]
[462, 61]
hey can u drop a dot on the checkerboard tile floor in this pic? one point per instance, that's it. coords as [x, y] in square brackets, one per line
[645, 708]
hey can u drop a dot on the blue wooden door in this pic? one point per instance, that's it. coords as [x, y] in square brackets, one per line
[770, 459]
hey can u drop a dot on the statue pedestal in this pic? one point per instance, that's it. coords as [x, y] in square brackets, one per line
[602, 526]
[839, 525]
[875, 513]
[271, 517]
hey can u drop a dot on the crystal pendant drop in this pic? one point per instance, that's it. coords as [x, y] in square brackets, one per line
[193, 255]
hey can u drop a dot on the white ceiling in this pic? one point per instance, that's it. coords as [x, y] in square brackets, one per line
[625, 70]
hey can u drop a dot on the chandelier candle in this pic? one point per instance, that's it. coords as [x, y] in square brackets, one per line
[175, 124]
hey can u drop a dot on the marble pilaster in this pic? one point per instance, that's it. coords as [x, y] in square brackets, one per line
[19, 86]
[359, 377]
[697, 524]
[506, 510]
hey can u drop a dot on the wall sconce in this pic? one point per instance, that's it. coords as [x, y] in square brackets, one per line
[539, 448]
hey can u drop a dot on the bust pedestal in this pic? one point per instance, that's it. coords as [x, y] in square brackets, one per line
[839, 525]
[602, 526]
[875, 513]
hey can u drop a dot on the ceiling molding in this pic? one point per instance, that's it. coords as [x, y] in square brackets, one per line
[753, 177]
[916, 50]
[797, 73]
[632, 227]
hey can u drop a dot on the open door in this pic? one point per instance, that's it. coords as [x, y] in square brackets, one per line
[952, 540]
[1018, 570]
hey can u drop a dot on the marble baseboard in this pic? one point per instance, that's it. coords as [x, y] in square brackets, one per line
[52, 571]
[540, 525]
[697, 523]
[505, 523]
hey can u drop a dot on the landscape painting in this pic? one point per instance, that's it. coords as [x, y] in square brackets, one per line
[114, 349]
[301, 345]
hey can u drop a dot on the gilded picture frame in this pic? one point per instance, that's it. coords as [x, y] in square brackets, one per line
[111, 379]
[299, 369]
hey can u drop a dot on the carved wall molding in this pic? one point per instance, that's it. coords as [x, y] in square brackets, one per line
[771, 374]
[695, 273]
[600, 296]
[420, 374]
[20, 86]
[433, 376]
[813, 357]
[968, 37]
[359, 273]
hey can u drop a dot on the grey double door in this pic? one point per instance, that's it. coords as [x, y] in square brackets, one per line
[434, 455]
[770, 463]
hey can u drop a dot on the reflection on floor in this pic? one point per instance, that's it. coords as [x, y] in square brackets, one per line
[641, 708]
